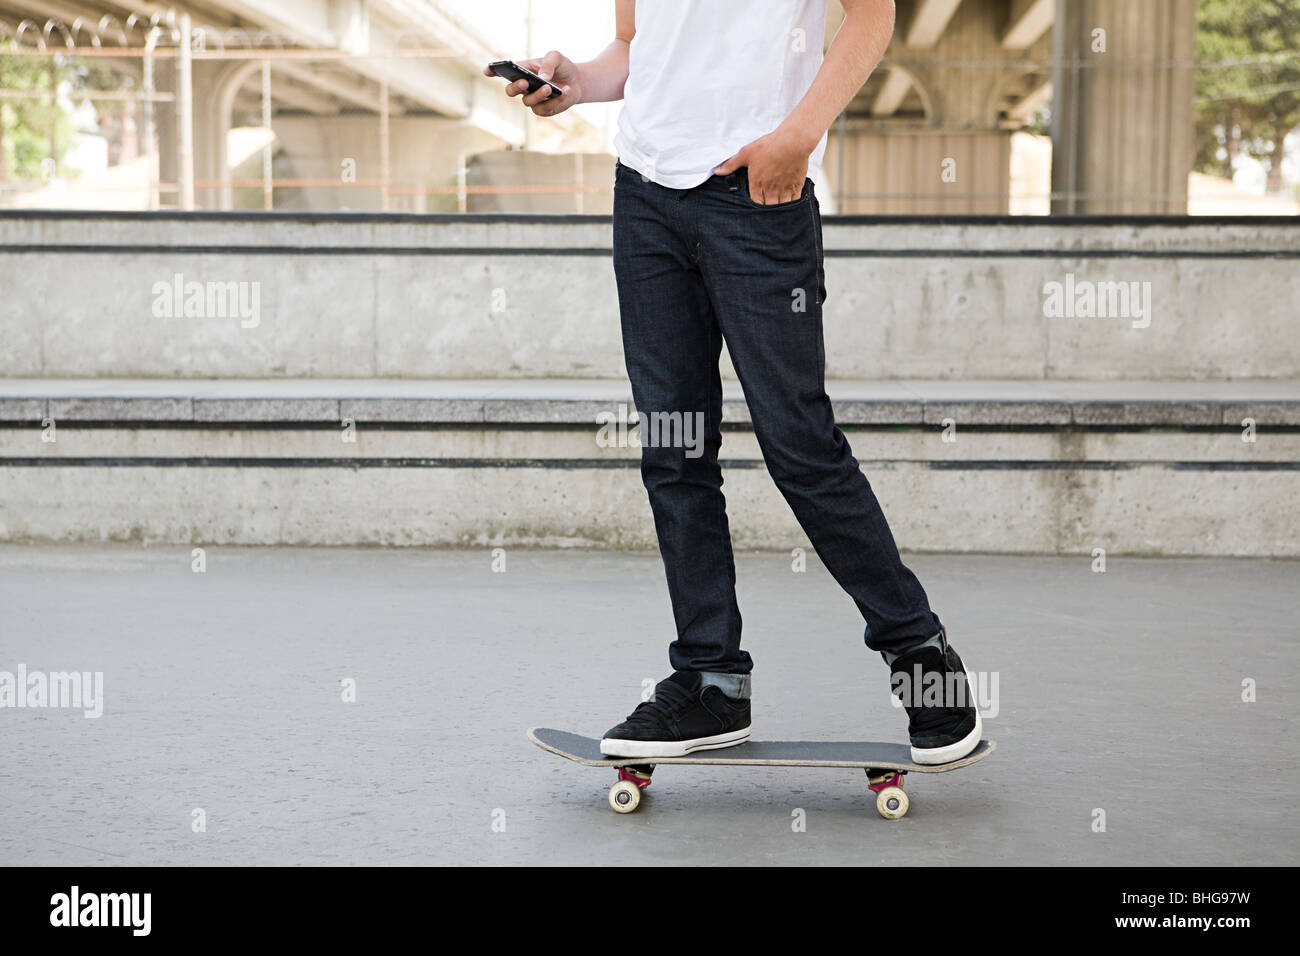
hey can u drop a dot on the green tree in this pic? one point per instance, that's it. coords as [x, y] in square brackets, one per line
[37, 129]
[30, 127]
[1247, 83]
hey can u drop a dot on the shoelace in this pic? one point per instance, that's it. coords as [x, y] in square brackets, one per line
[668, 700]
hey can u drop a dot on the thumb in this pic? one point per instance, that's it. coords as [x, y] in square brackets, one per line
[548, 64]
[732, 164]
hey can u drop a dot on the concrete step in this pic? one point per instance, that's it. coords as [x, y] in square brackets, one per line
[578, 401]
[1012, 467]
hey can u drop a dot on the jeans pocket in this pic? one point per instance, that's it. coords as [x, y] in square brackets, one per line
[803, 197]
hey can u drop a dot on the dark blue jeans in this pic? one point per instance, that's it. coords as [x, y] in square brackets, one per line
[699, 266]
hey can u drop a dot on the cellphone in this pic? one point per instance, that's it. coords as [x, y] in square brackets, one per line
[512, 71]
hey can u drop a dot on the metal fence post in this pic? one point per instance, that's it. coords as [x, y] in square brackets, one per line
[185, 115]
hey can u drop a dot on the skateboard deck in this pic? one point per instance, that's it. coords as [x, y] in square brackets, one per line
[885, 763]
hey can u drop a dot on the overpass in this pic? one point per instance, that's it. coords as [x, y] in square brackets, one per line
[391, 90]
[393, 86]
[930, 131]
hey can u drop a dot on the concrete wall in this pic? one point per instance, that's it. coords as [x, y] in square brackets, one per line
[518, 296]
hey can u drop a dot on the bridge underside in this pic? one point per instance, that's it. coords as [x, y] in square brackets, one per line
[382, 91]
[389, 92]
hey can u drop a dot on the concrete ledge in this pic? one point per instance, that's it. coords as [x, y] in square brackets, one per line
[1030, 467]
[277, 495]
[266, 410]
[23, 409]
[107, 408]
[535, 297]
[578, 402]
[512, 234]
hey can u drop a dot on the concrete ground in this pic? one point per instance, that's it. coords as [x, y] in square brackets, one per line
[1118, 692]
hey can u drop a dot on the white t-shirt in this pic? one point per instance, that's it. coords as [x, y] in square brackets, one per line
[708, 76]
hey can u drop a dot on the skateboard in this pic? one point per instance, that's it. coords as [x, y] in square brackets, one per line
[885, 764]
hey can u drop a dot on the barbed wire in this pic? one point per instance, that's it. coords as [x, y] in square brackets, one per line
[162, 26]
[31, 35]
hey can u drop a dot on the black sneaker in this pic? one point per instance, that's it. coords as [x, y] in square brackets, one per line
[943, 721]
[681, 718]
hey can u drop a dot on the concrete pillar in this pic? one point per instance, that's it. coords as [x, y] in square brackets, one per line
[951, 59]
[225, 86]
[168, 141]
[919, 172]
[1123, 131]
[209, 134]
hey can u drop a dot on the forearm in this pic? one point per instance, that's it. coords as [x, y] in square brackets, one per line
[602, 79]
[854, 52]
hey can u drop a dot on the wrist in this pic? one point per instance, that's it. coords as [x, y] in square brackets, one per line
[801, 135]
[577, 86]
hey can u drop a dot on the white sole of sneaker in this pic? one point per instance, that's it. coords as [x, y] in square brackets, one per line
[937, 755]
[612, 747]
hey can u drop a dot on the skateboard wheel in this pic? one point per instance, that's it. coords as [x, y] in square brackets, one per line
[624, 796]
[891, 802]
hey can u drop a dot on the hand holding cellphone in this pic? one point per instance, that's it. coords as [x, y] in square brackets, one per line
[511, 71]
